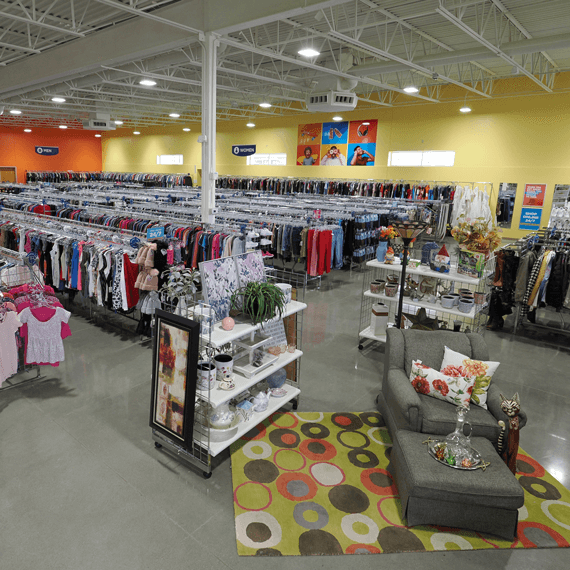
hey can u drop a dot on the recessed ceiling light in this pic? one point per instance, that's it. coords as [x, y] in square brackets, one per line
[411, 89]
[136, 133]
[186, 129]
[63, 126]
[147, 82]
[58, 99]
[118, 122]
[465, 109]
[309, 52]
[337, 118]
[265, 105]
[27, 130]
[15, 112]
[250, 125]
[174, 115]
[98, 135]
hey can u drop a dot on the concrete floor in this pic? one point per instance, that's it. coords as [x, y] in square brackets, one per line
[82, 486]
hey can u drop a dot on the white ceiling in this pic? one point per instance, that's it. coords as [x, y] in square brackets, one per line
[94, 53]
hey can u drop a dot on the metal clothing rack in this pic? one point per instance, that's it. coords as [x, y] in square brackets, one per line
[21, 278]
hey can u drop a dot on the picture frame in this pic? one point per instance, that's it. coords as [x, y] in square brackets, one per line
[174, 376]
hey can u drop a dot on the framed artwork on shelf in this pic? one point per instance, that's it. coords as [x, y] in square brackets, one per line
[219, 281]
[250, 267]
[174, 374]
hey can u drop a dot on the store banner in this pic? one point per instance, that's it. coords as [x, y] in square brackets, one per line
[243, 149]
[47, 150]
[530, 218]
[534, 194]
[340, 143]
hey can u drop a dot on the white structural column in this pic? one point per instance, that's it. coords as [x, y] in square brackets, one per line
[208, 139]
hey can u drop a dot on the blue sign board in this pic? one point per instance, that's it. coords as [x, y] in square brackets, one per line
[530, 218]
[243, 149]
[153, 233]
[47, 150]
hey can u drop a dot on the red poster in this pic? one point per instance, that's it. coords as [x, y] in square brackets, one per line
[534, 194]
[363, 132]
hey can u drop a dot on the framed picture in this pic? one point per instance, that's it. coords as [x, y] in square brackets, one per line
[174, 375]
[219, 281]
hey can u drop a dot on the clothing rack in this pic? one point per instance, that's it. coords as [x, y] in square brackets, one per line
[20, 259]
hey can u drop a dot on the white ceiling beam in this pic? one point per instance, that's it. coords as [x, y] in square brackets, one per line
[148, 15]
[320, 68]
[19, 48]
[409, 64]
[497, 51]
[59, 29]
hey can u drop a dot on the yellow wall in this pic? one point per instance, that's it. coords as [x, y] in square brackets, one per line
[520, 140]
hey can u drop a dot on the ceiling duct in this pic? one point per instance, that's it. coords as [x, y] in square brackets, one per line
[99, 122]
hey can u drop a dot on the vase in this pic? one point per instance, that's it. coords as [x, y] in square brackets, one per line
[381, 251]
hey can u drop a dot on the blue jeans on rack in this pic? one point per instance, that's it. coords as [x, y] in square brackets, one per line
[337, 245]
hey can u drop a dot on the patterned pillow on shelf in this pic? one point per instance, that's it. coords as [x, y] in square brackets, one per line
[455, 390]
[458, 365]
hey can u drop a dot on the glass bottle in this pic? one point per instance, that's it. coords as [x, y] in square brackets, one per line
[458, 443]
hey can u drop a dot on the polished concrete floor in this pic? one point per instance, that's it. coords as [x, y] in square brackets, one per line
[82, 486]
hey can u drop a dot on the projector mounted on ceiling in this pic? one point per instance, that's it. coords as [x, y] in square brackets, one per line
[99, 122]
[330, 101]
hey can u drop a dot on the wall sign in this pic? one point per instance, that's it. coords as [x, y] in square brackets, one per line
[530, 218]
[243, 149]
[534, 194]
[47, 150]
[154, 233]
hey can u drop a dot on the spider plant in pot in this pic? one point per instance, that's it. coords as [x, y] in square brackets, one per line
[260, 301]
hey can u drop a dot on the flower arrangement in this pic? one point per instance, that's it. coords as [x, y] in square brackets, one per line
[479, 236]
[387, 232]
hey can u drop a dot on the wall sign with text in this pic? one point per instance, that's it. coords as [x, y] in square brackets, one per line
[243, 149]
[47, 150]
[534, 194]
[530, 218]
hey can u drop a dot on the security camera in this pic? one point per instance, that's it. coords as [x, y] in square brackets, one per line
[435, 76]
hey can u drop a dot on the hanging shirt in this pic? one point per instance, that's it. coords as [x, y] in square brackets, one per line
[8, 348]
[44, 338]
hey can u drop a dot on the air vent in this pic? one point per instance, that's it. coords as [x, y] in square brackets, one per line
[98, 125]
[330, 101]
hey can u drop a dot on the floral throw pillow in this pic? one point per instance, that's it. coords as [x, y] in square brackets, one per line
[458, 365]
[455, 390]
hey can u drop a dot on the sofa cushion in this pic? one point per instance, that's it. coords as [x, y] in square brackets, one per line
[429, 347]
[439, 418]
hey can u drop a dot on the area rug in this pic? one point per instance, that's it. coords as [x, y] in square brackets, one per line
[319, 484]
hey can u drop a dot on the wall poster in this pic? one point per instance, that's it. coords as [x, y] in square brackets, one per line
[530, 218]
[534, 194]
[340, 143]
[175, 361]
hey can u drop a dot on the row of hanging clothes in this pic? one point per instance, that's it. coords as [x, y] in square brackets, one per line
[531, 273]
[146, 179]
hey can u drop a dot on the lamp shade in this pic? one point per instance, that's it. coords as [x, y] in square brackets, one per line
[409, 230]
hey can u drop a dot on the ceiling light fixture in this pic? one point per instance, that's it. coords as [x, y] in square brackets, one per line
[337, 118]
[174, 115]
[250, 125]
[27, 130]
[136, 133]
[265, 105]
[186, 129]
[309, 52]
[15, 112]
[63, 126]
[98, 135]
[411, 89]
[147, 82]
[58, 99]
[465, 109]
[366, 123]
[118, 122]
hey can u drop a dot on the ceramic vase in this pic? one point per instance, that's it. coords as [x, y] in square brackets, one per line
[381, 251]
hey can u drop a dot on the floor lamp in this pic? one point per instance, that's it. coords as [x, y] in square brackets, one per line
[408, 231]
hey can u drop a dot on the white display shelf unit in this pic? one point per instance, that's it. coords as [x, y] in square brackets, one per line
[473, 320]
[216, 447]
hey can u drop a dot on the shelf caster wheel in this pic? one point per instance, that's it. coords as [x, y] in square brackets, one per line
[360, 346]
[157, 445]
[206, 475]
[295, 405]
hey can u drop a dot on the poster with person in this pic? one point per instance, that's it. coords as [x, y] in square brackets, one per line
[333, 155]
[362, 142]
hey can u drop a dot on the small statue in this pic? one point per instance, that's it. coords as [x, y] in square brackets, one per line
[509, 453]
[389, 259]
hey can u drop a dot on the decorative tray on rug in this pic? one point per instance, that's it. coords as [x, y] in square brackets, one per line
[438, 450]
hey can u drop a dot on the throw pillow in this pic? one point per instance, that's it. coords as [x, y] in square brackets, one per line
[458, 365]
[453, 389]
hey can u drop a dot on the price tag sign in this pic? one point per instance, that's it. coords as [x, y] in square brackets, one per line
[154, 233]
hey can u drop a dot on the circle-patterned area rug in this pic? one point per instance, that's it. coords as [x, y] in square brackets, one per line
[320, 484]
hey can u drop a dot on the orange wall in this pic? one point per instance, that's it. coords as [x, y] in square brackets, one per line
[78, 150]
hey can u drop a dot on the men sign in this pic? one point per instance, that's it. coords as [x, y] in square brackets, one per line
[47, 150]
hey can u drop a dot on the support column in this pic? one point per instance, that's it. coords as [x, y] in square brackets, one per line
[210, 45]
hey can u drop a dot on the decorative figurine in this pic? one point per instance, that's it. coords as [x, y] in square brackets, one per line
[389, 259]
[512, 408]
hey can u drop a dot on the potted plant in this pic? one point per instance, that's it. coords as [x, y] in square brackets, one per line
[260, 301]
[179, 286]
